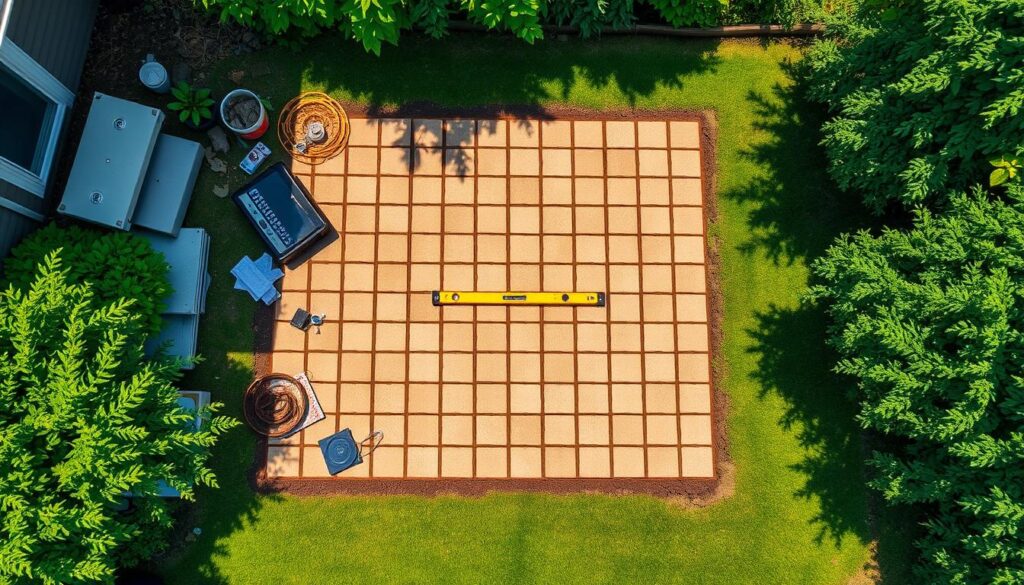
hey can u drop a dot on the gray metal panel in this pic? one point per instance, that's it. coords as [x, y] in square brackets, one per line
[55, 33]
[187, 256]
[180, 333]
[13, 227]
[111, 162]
[169, 182]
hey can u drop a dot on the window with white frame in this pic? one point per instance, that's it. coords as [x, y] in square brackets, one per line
[33, 105]
[5, 17]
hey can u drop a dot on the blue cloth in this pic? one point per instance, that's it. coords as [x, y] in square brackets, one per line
[257, 278]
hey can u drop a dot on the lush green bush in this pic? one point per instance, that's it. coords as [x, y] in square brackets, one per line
[923, 93]
[381, 21]
[930, 322]
[690, 12]
[85, 418]
[118, 265]
[590, 16]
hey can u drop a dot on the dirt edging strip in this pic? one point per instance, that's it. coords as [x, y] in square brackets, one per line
[662, 30]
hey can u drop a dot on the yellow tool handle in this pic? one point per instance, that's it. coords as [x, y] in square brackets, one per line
[447, 297]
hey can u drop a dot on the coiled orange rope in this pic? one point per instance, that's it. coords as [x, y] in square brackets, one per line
[297, 116]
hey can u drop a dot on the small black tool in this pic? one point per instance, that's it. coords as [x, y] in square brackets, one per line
[301, 319]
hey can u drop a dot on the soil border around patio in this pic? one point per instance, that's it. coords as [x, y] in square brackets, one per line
[690, 492]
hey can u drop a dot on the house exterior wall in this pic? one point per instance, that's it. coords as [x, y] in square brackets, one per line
[56, 34]
[13, 227]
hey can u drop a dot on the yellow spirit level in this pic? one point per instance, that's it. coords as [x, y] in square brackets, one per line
[579, 299]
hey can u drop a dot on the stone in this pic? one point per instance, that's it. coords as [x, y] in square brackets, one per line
[218, 139]
[216, 165]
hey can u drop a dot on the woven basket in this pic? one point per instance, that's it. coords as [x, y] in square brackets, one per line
[305, 109]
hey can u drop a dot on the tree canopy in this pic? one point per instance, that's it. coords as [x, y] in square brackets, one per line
[85, 419]
[930, 322]
[923, 94]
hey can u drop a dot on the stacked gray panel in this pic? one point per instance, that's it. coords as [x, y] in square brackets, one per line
[187, 255]
[169, 182]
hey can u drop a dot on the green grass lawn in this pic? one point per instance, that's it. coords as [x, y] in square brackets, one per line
[799, 513]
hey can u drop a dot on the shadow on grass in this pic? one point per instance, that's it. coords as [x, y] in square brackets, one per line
[795, 212]
[502, 77]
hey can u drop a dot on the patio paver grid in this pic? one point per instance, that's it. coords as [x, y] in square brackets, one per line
[507, 392]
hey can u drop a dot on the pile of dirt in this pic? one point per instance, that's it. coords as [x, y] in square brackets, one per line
[179, 33]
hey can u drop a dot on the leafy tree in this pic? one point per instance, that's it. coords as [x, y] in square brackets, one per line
[85, 418]
[590, 16]
[923, 94]
[116, 264]
[376, 22]
[930, 322]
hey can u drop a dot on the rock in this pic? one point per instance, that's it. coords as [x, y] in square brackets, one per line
[242, 112]
[216, 165]
[220, 191]
[218, 139]
[237, 76]
[181, 72]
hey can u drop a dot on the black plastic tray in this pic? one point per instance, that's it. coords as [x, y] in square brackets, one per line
[282, 211]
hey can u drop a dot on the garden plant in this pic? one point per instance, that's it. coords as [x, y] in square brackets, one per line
[381, 21]
[117, 265]
[930, 321]
[192, 104]
[85, 422]
[924, 94]
[926, 107]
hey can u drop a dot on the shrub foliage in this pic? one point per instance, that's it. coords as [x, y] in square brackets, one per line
[85, 418]
[931, 323]
[376, 22]
[117, 265]
[923, 94]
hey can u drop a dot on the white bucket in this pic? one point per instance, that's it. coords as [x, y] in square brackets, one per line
[154, 76]
[252, 132]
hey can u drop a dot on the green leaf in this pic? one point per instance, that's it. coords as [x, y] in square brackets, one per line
[183, 116]
[998, 177]
[195, 117]
[181, 92]
[175, 106]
